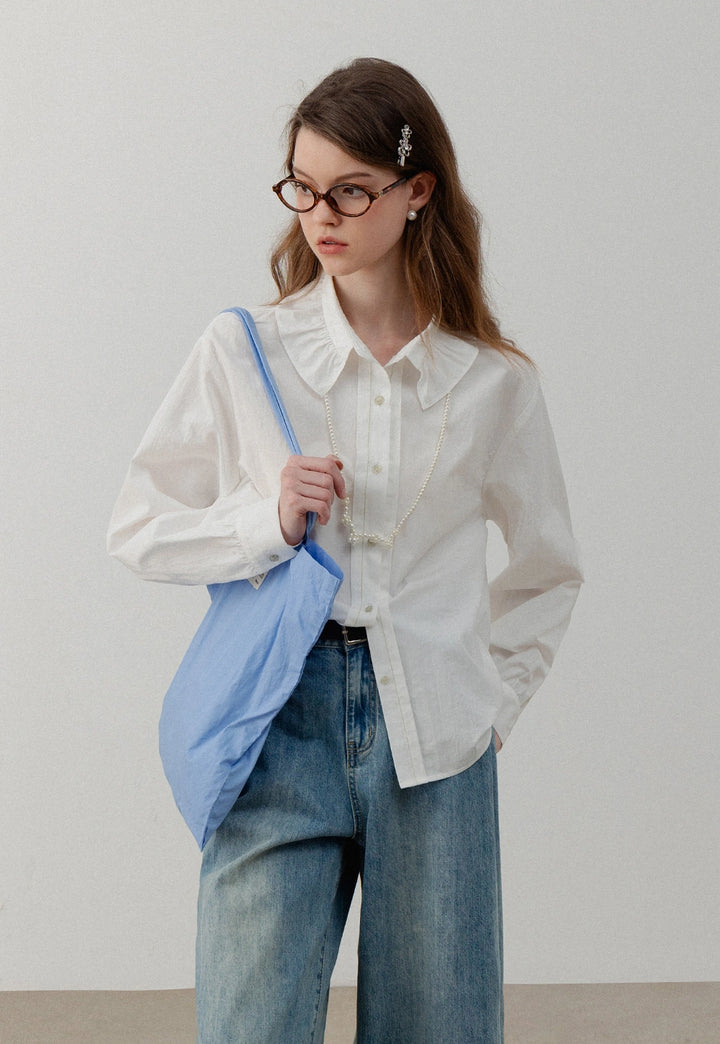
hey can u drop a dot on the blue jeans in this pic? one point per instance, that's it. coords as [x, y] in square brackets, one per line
[321, 808]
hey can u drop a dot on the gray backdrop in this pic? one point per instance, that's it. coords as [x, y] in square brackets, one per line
[139, 142]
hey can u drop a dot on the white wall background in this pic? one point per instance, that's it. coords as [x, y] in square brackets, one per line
[139, 142]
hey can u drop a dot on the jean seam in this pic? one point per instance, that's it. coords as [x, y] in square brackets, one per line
[351, 752]
[318, 992]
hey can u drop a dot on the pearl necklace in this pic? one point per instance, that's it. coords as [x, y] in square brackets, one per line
[376, 538]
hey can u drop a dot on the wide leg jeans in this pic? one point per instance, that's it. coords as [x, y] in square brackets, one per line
[321, 808]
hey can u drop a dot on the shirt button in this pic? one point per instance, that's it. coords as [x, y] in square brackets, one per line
[376, 469]
[379, 400]
[369, 608]
[384, 680]
[274, 558]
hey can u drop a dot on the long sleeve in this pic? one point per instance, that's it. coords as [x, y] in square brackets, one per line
[188, 512]
[532, 599]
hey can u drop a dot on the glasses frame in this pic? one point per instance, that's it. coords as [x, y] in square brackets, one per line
[327, 196]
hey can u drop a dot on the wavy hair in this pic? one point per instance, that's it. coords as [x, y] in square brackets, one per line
[362, 108]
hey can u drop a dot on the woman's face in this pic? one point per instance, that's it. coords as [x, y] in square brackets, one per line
[346, 246]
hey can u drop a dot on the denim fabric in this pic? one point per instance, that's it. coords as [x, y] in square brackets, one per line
[321, 807]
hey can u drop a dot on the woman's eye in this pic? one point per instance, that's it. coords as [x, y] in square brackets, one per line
[351, 191]
[302, 189]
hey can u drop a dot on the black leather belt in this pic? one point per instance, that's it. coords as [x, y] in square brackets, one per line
[335, 632]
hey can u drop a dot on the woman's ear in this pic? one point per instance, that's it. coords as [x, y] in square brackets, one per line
[421, 189]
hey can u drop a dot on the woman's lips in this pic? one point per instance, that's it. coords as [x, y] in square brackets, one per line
[328, 245]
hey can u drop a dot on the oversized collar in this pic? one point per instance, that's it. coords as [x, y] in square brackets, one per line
[319, 339]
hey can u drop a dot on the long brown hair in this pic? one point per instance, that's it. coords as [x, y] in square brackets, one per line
[362, 108]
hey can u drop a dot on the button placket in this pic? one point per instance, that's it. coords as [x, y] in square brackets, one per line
[370, 510]
[379, 449]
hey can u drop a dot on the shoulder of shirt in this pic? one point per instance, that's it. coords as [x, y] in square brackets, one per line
[224, 338]
[511, 375]
[226, 327]
[227, 323]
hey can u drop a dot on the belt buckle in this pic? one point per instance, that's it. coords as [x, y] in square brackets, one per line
[349, 640]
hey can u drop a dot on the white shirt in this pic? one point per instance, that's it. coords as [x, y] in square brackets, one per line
[453, 656]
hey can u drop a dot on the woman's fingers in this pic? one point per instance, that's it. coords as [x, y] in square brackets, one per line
[308, 484]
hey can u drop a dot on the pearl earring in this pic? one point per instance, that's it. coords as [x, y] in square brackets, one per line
[412, 215]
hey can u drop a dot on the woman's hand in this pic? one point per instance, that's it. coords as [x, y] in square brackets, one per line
[308, 484]
[498, 742]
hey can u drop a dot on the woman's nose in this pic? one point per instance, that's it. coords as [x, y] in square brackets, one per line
[325, 214]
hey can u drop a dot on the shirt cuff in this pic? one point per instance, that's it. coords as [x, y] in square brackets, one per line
[261, 538]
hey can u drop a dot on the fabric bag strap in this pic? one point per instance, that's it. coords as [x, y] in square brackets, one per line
[271, 388]
[268, 380]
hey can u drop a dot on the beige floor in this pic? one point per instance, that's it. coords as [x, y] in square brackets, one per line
[663, 1013]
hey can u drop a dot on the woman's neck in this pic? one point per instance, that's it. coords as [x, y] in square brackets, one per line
[380, 311]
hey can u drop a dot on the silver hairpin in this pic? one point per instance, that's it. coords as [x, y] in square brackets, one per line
[404, 146]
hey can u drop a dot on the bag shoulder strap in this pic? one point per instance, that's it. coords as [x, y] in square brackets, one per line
[271, 388]
[268, 380]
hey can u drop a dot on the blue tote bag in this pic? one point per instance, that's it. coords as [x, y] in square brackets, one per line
[242, 665]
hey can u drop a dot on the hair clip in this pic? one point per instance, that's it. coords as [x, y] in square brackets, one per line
[404, 146]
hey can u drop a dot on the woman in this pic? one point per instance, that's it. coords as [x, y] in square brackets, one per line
[419, 422]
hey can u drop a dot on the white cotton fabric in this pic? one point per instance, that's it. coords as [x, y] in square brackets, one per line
[453, 656]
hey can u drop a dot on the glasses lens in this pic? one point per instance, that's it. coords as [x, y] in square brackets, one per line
[351, 200]
[297, 196]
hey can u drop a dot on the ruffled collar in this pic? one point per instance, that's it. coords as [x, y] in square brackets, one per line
[319, 339]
